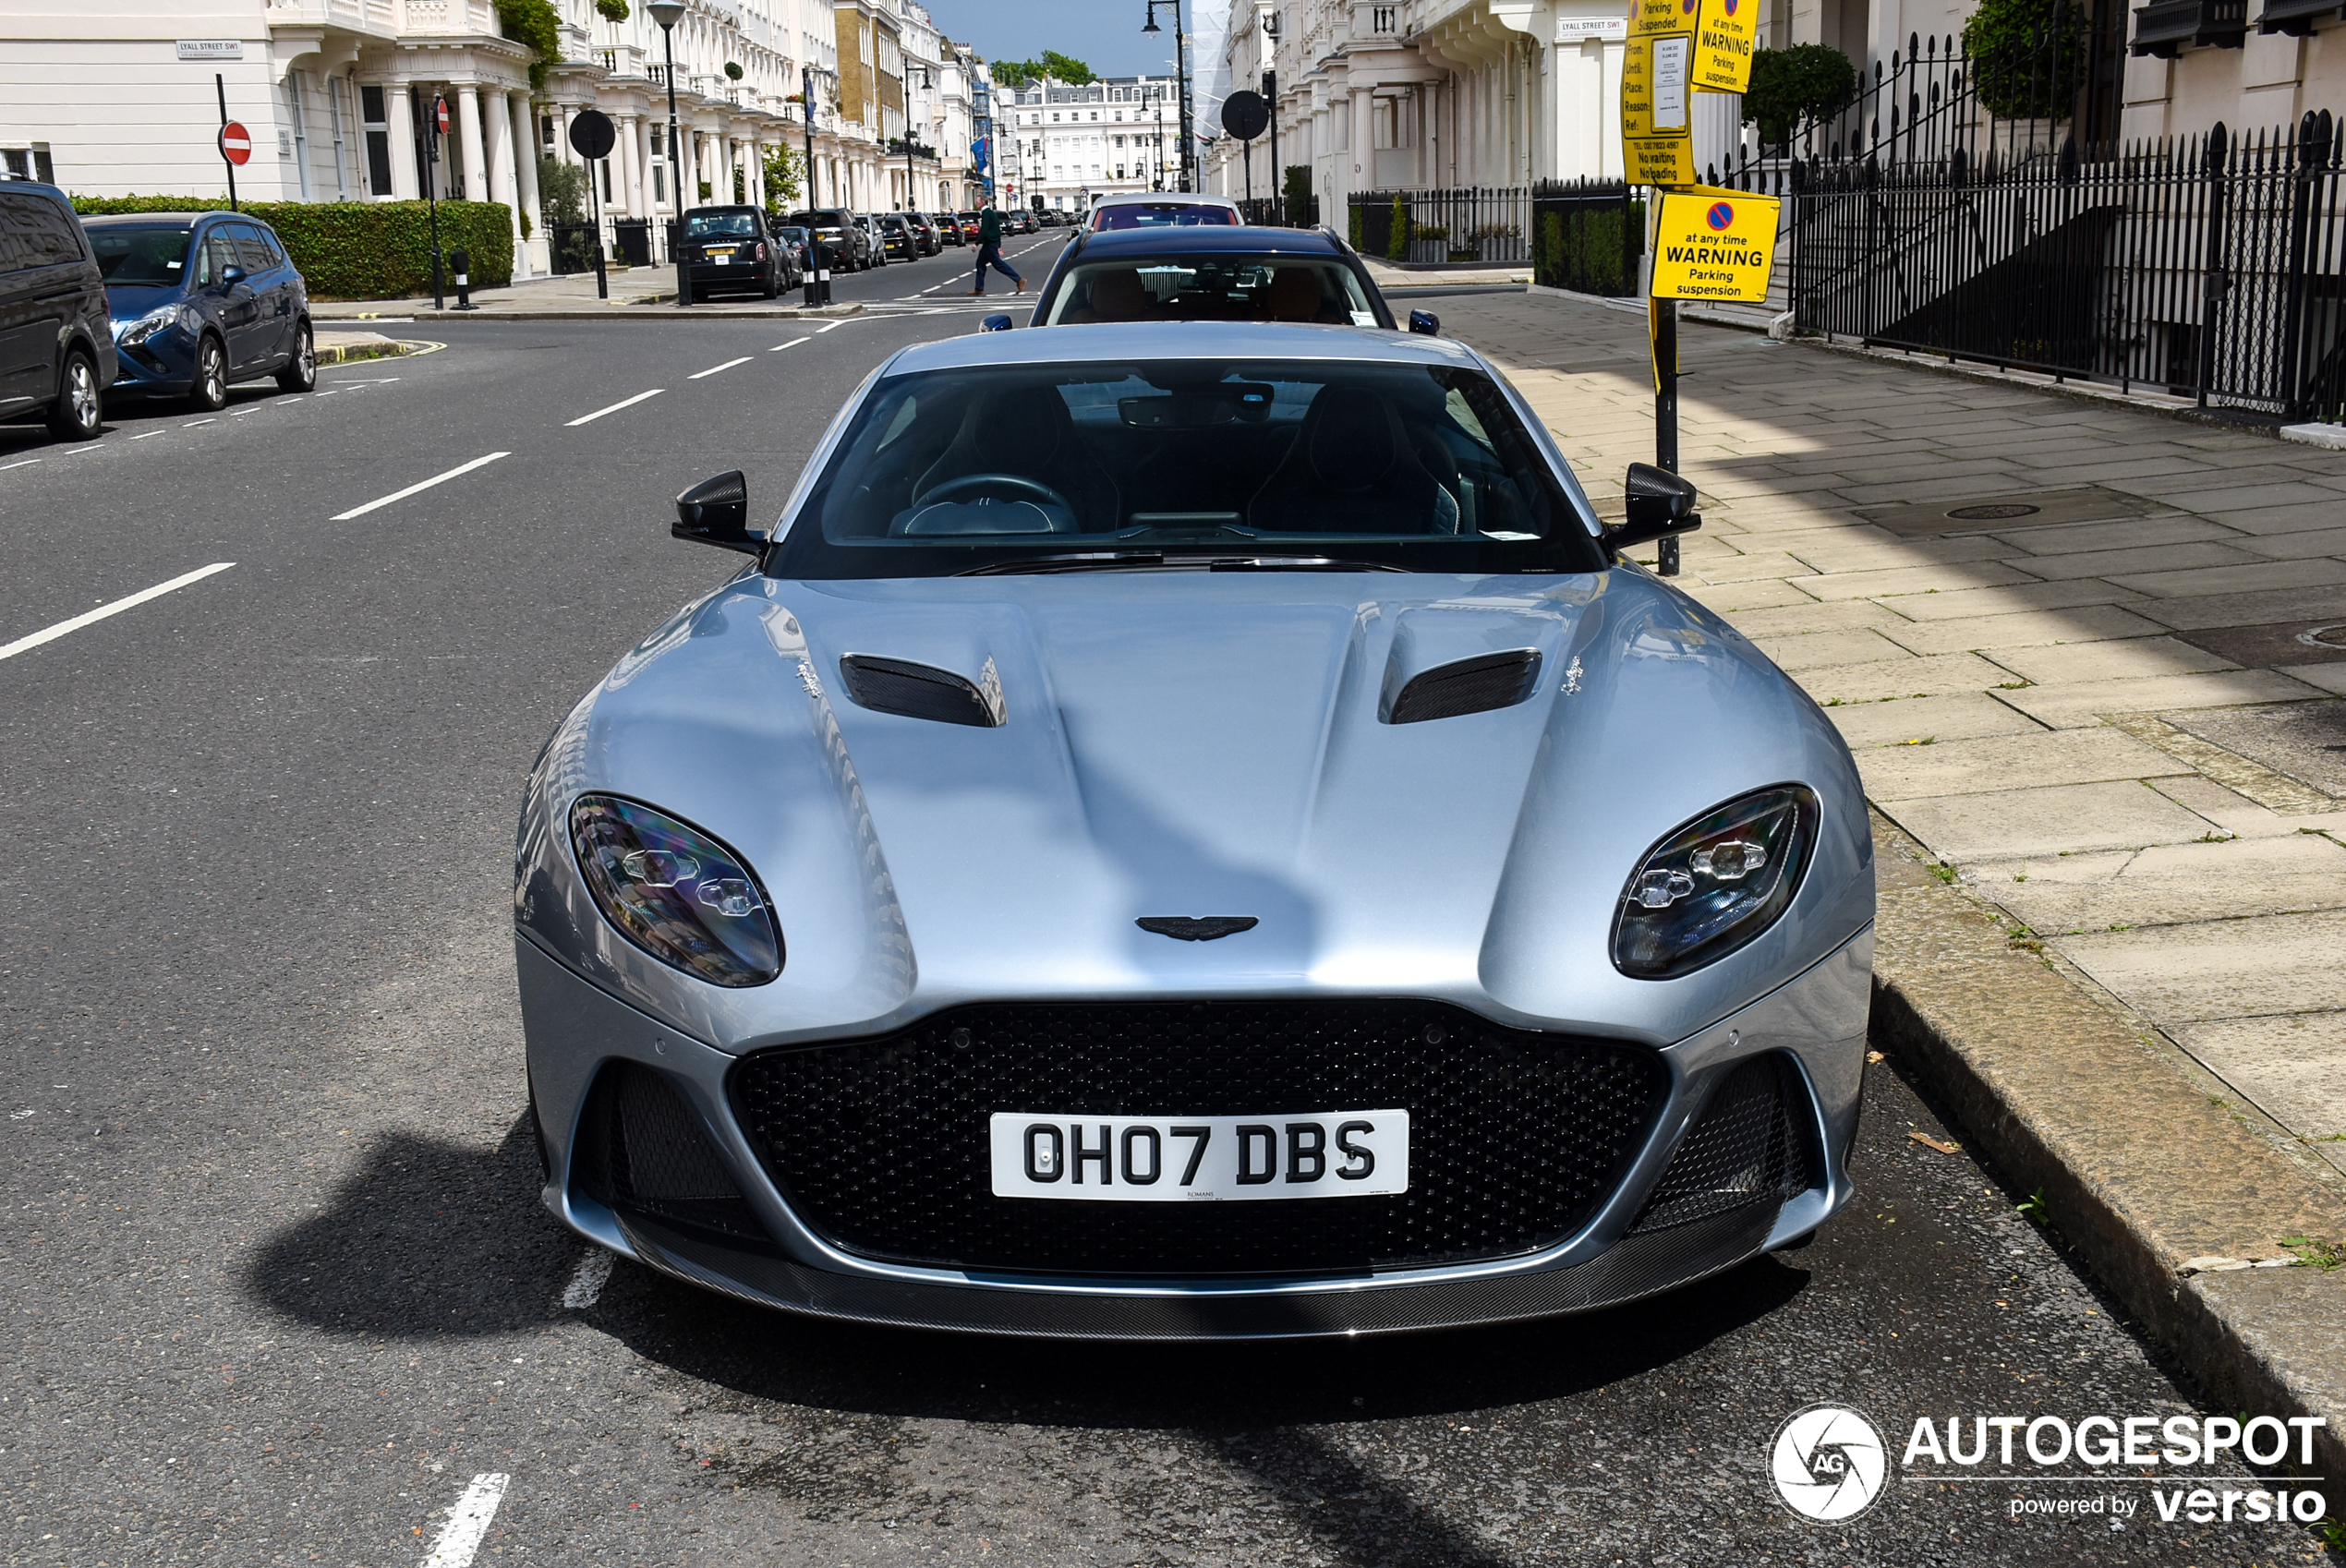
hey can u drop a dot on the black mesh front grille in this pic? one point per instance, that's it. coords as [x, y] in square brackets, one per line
[1467, 685]
[1745, 1148]
[640, 1150]
[1514, 1137]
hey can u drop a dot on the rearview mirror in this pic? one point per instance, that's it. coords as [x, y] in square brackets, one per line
[1657, 505]
[1425, 321]
[997, 322]
[231, 275]
[716, 512]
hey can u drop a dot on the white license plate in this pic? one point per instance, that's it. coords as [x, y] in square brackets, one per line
[722, 258]
[1200, 1159]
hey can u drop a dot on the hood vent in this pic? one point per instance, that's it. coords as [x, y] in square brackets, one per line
[923, 691]
[1467, 685]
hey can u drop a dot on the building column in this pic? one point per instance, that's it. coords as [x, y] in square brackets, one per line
[754, 150]
[497, 152]
[629, 198]
[400, 111]
[476, 167]
[524, 119]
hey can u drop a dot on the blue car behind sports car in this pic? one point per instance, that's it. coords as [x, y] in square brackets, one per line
[199, 300]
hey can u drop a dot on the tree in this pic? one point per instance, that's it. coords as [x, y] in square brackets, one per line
[562, 190]
[784, 167]
[612, 10]
[2027, 56]
[536, 24]
[1024, 74]
[1795, 84]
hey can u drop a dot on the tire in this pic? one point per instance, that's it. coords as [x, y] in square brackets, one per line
[300, 374]
[79, 411]
[773, 287]
[207, 393]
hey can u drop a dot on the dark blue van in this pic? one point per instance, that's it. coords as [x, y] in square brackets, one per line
[200, 300]
[55, 355]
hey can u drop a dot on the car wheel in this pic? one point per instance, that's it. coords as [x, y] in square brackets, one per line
[208, 391]
[773, 287]
[300, 374]
[80, 409]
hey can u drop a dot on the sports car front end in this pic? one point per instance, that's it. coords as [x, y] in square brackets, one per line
[1179, 839]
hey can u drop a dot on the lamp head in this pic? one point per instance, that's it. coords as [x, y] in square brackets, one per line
[667, 13]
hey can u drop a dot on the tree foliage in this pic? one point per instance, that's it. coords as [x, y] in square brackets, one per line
[612, 10]
[1795, 84]
[536, 24]
[360, 249]
[562, 190]
[2027, 56]
[1060, 68]
[785, 168]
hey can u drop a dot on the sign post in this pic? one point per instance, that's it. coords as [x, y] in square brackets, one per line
[236, 143]
[434, 128]
[591, 137]
[1714, 244]
[1246, 116]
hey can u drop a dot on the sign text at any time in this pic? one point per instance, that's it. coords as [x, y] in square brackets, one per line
[1715, 244]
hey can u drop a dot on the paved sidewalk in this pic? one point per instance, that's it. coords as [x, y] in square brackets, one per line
[2110, 700]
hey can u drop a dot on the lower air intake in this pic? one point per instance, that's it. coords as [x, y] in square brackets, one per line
[640, 1150]
[1745, 1149]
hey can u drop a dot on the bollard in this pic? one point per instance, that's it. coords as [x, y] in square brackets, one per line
[462, 260]
[819, 273]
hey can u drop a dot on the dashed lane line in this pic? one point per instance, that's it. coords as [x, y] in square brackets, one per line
[468, 1521]
[623, 403]
[193, 423]
[22, 463]
[714, 368]
[792, 343]
[586, 1286]
[424, 485]
[90, 616]
[149, 435]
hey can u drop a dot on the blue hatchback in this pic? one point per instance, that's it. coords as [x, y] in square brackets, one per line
[200, 299]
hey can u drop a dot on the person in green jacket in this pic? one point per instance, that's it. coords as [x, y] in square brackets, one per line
[989, 250]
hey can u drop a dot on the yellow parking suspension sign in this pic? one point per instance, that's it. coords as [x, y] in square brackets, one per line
[1720, 34]
[1657, 122]
[1715, 244]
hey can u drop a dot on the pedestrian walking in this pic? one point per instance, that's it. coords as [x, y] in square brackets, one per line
[989, 248]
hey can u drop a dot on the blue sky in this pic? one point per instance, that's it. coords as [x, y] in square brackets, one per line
[1104, 34]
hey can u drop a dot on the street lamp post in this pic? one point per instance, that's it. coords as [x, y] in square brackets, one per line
[909, 203]
[1181, 74]
[668, 13]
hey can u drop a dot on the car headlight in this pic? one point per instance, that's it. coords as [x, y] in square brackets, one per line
[675, 892]
[1715, 884]
[147, 326]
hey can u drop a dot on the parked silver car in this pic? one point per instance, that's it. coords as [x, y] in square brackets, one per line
[1185, 830]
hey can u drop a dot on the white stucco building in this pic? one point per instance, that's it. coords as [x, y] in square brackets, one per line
[1063, 147]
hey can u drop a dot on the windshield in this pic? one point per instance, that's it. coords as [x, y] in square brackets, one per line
[140, 256]
[1159, 215]
[1418, 467]
[699, 224]
[1210, 288]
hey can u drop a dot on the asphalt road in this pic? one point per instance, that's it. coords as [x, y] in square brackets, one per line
[278, 1287]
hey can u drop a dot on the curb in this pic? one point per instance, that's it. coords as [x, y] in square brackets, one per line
[349, 352]
[2164, 1190]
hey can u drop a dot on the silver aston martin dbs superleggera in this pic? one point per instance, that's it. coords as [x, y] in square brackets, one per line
[1190, 831]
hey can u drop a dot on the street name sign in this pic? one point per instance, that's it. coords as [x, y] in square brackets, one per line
[1714, 244]
[209, 48]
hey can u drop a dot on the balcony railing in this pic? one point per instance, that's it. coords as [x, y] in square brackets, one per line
[2164, 27]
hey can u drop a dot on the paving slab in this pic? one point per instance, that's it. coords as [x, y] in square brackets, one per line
[2170, 884]
[1915, 580]
[2016, 824]
[2086, 701]
[2127, 658]
[2074, 539]
[2253, 967]
[2242, 610]
[2186, 555]
[2202, 581]
[2026, 629]
[1758, 593]
[1970, 603]
[1815, 650]
[1990, 764]
[1903, 677]
[2294, 1067]
[1961, 717]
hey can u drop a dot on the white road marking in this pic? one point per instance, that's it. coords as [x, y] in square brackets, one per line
[25, 464]
[435, 479]
[193, 423]
[623, 402]
[792, 343]
[468, 1521]
[90, 616]
[149, 436]
[832, 326]
[587, 1285]
[714, 368]
[329, 391]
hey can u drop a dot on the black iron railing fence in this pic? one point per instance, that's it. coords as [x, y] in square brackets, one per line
[1582, 235]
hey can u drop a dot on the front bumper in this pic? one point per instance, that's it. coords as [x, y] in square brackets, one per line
[1814, 1025]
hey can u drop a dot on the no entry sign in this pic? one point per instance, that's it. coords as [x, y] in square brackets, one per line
[440, 114]
[235, 143]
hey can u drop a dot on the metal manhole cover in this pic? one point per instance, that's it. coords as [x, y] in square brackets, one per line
[2324, 636]
[1993, 514]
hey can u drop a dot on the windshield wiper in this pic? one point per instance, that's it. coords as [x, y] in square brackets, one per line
[1161, 561]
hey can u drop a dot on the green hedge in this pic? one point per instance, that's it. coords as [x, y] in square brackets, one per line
[360, 249]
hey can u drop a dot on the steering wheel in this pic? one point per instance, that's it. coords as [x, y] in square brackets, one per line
[1034, 487]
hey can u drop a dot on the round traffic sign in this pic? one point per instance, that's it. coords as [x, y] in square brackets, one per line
[440, 114]
[1245, 116]
[591, 134]
[235, 144]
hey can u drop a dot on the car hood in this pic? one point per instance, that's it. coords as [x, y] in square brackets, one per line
[1191, 744]
[127, 302]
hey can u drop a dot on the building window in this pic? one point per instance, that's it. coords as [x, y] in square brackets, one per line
[28, 163]
[378, 129]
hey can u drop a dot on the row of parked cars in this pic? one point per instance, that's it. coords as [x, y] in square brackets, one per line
[155, 304]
